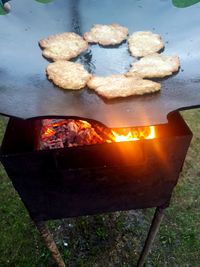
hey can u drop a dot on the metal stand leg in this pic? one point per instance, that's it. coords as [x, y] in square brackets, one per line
[157, 219]
[50, 243]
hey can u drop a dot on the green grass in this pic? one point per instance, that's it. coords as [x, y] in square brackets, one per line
[113, 239]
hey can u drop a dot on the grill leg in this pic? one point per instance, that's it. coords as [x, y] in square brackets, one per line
[50, 243]
[157, 219]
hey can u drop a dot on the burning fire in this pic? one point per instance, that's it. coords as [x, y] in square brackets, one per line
[59, 133]
[48, 132]
[135, 134]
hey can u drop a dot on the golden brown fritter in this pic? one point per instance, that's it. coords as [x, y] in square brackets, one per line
[68, 75]
[144, 43]
[64, 46]
[106, 34]
[155, 66]
[119, 85]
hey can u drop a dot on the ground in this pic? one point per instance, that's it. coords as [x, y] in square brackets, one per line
[113, 239]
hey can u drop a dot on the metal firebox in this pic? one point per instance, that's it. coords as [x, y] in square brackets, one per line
[97, 178]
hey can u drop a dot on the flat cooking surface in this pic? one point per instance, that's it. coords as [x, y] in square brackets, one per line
[25, 91]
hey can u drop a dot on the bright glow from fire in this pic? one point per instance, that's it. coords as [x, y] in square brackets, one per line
[152, 134]
[135, 134]
[66, 133]
[48, 132]
[86, 124]
[122, 138]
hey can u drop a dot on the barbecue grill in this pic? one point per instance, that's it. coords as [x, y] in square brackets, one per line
[105, 177]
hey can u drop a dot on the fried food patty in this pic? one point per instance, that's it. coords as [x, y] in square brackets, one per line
[68, 75]
[119, 85]
[155, 66]
[144, 43]
[106, 34]
[63, 46]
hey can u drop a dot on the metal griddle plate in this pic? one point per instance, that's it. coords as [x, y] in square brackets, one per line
[25, 91]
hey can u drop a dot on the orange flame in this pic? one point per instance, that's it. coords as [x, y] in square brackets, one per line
[86, 124]
[135, 134]
[48, 132]
[116, 135]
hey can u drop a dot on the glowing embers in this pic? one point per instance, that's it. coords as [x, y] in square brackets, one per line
[60, 133]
